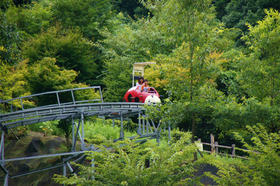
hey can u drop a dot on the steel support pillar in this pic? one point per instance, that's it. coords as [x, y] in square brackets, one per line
[2, 150]
[79, 134]
[64, 170]
[154, 125]
[139, 124]
[73, 135]
[6, 179]
[158, 136]
[150, 127]
[83, 132]
[2, 156]
[143, 124]
[69, 167]
[92, 166]
[76, 135]
[121, 132]
[147, 126]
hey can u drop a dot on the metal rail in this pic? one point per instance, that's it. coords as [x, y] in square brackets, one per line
[30, 116]
[57, 95]
[44, 156]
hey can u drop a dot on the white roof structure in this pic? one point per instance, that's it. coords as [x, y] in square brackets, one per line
[139, 68]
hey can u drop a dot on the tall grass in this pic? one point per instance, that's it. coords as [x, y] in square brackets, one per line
[105, 128]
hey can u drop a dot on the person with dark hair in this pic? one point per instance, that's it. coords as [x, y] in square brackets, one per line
[140, 81]
[145, 87]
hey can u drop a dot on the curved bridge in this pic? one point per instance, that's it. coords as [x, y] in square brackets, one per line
[67, 105]
[62, 110]
[50, 113]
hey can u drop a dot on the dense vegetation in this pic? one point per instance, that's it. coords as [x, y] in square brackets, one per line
[217, 68]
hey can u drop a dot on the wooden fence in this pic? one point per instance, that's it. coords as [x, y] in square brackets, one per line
[215, 148]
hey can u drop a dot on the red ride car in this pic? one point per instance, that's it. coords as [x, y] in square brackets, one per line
[135, 94]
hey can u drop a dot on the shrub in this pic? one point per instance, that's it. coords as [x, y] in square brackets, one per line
[128, 163]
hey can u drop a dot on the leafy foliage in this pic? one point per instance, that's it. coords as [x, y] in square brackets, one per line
[133, 8]
[261, 168]
[100, 131]
[12, 82]
[45, 76]
[9, 39]
[88, 15]
[30, 19]
[126, 45]
[261, 67]
[69, 48]
[130, 164]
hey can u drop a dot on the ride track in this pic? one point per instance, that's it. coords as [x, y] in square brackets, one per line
[75, 109]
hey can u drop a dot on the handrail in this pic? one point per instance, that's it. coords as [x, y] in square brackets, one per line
[56, 93]
[69, 106]
[51, 92]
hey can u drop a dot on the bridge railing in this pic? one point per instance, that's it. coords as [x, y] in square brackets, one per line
[40, 114]
[54, 98]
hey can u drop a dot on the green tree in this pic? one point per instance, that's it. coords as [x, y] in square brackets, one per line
[12, 82]
[261, 68]
[45, 75]
[30, 19]
[4, 4]
[9, 39]
[240, 12]
[89, 15]
[193, 25]
[133, 8]
[126, 44]
[68, 47]
[220, 6]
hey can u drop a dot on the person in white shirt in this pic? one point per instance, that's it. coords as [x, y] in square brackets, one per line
[139, 83]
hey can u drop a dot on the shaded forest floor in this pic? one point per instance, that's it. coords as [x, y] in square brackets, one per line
[33, 144]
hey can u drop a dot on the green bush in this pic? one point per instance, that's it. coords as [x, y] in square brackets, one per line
[127, 163]
[100, 127]
[262, 166]
[47, 127]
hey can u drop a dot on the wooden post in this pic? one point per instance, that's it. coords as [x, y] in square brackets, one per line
[233, 150]
[216, 148]
[199, 145]
[212, 141]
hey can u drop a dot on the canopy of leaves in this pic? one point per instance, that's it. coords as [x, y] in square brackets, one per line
[127, 44]
[9, 39]
[12, 81]
[69, 48]
[30, 19]
[261, 68]
[45, 75]
[88, 15]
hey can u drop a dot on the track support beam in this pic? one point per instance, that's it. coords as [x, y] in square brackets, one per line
[121, 132]
[139, 124]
